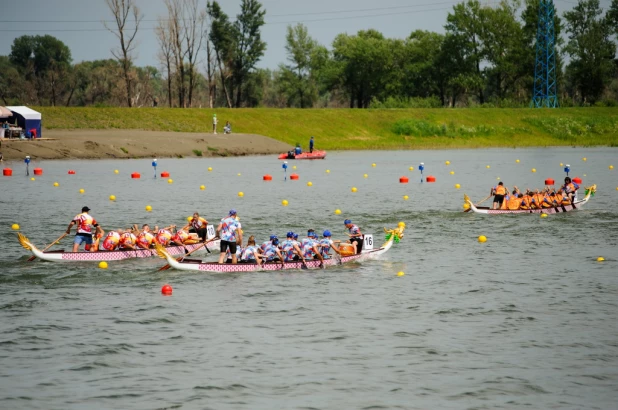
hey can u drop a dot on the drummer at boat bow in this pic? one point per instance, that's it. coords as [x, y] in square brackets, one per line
[356, 237]
[85, 224]
[499, 191]
[229, 231]
[570, 188]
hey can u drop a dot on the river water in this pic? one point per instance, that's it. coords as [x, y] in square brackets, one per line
[528, 319]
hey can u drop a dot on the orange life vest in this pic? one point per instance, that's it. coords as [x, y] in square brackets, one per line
[526, 202]
[500, 190]
[538, 200]
[513, 202]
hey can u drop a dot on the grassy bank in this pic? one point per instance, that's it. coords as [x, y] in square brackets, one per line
[367, 129]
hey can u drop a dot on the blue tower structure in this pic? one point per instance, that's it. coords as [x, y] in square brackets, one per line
[545, 88]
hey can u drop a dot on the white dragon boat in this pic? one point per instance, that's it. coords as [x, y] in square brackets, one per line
[577, 204]
[98, 256]
[392, 235]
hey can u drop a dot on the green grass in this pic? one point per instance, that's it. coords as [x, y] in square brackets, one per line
[197, 152]
[414, 128]
[123, 149]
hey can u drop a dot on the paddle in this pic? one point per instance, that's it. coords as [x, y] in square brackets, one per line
[166, 267]
[30, 259]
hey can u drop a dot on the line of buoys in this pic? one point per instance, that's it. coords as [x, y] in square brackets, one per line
[294, 177]
[136, 175]
[517, 161]
[584, 159]
[267, 177]
[38, 171]
[577, 180]
[373, 165]
[241, 194]
[166, 290]
[71, 172]
[431, 178]
[600, 259]
[549, 181]
[404, 180]
[328, 171]
[400, 273]
[7, 172]
[487, 167]
[165, 174]
[294, 167]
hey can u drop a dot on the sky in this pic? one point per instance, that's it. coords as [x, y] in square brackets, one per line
[79, 23]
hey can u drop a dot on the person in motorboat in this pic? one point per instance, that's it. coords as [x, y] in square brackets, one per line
[298, 150]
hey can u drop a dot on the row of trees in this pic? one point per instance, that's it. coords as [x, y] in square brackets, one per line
[485, 56]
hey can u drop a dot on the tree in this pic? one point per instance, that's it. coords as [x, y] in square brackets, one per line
[221, 37]
[300, 48]
[165, 55]
[121, 9]
[249, 47]
[590, 48]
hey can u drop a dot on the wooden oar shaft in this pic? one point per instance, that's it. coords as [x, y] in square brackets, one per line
[49, 246]
[483, 200]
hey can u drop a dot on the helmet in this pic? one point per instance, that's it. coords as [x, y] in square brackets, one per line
[295, 236]
[347, 221]
[326, 233]
[290, 234]
[232, 212]
[273, 237]
[275, 241]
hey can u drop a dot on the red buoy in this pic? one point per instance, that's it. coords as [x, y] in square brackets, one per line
[71, 172]
[7, 172]
[431, 178]
[577, 180]
[404, 180]
[549, 181]
[38, 171]
[294, 177]
[166, 290]
[165, 174]
[135, 175]
[267, 177]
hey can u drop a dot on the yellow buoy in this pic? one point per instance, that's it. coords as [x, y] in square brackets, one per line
[56, 184]
[103, 265]
[116, 171]
[338, 211]
[209, 169]
[294, 167]
[411, 168]
[452, 172]
[81, 191]
[533, 169]
[611, 167]
[584, 159]
[457, 186]
[239, 174]
[309, 183]
[202, 187]
[543, 215]
[517, 161]
[328, 171]
[466, 206]
[32, 179]
[354, 189]
[148, 208]
[373, 165]
[189, 218]
[241, 194]
[400, 273]
[284, 202]
[482, 239]
[487, 167]
[401, 224]
[600, 259]
[15, 227]
[112, 197]
[498, 178]
[405, 198]
[170, 181]
[448, 162]
[584, 174]
[365, 176]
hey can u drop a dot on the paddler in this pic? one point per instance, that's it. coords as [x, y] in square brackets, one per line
[326, 244]
[537, 199]
[145, 238]
[112, 240]
[526, 200]
[198, 226]
[85, 224]
[271, 251]
[164, 235]
[311, 247]
[356, 237]
[181, 237]
[290, 248]
[229, 232]
[499, 191]
[128, 240]
[252, 253]
[513, 202]
[570, 188]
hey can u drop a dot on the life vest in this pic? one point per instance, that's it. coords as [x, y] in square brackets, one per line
[503, 206]
[144, 240]
[127, 239]
[513, 203]
[180, 236]
[566, 200]
[84, 223]
[538, 200]
[198, 223]
[500, 190]
[163, 237]
[111, 241]
[547, 201]
[526, 202]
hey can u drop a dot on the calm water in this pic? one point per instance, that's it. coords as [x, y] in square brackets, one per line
[528, 319]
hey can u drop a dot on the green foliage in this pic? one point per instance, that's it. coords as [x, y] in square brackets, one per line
[123, 149]
[402, 102]
[420, 128]
[569, 129]
[197, 152]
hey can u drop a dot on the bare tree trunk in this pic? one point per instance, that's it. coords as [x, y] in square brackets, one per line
[194, 27]
[225, 90]
[121, 10]
[210, 74]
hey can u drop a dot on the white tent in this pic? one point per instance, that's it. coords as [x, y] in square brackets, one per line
[27, 113]
[28, 119]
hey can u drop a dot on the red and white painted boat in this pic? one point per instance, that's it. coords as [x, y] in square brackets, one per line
[577, 204]
[63, 256]
[305, 155]
[393, 235]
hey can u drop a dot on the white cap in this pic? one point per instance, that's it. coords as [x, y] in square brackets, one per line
[27, 156]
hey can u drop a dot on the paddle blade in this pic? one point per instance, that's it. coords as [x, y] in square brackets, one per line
[30, 259]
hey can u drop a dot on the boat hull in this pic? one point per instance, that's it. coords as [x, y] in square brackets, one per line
[306, 155]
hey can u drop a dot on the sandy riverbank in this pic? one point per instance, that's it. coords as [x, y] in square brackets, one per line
[103, 144]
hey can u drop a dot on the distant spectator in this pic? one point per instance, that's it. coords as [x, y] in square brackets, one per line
[311, 144]
[228, 128]
[214, 123]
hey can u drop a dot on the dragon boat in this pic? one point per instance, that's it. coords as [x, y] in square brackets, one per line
[577, 204]
[316, 154]
[98, 256]
[392, 235]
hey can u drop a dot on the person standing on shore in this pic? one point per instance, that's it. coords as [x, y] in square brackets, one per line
[311, 144]
[214, 123]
